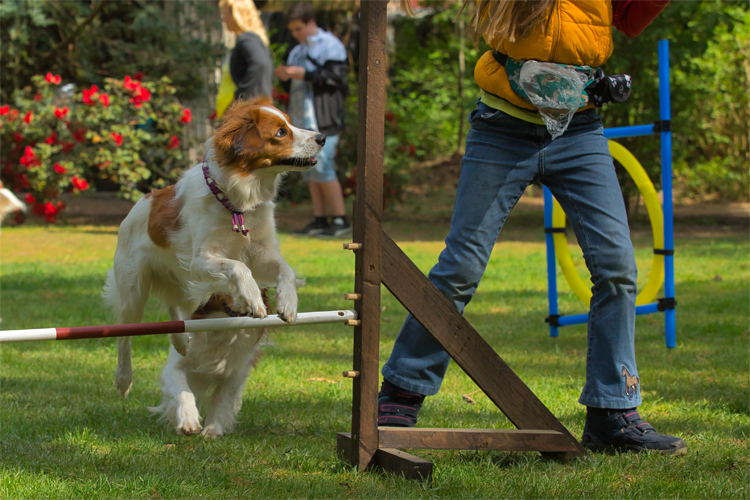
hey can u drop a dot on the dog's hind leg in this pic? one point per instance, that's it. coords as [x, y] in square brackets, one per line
[127, 297]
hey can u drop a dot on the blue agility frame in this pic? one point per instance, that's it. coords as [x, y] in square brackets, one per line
[667, 303]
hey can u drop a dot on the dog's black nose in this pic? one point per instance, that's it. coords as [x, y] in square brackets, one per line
[320, 139]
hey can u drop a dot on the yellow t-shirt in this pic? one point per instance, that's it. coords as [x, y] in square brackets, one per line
[227, 89]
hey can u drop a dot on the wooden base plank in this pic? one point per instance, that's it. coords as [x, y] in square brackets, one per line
[475, 439]
[403, 464]
[389, 460]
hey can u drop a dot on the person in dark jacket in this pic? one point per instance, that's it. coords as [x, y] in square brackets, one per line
[248, 70]
[316, 74]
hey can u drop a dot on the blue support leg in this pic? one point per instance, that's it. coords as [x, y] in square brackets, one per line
[665, 114]
[551, 270]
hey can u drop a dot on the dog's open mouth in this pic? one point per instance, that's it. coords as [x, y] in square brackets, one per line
[299, 163]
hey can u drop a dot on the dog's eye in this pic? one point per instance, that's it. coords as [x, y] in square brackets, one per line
[281, 133]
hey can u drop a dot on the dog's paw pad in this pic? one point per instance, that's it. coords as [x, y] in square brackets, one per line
[189, 428]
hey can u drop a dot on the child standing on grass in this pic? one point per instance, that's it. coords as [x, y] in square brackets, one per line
[533, 122]
[317, 74]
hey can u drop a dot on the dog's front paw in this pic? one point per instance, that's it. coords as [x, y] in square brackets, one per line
[251, 303]
[188, 420]
[286, 306]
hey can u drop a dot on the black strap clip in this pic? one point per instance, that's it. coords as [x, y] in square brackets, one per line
[553, 319]
[666, 303]
[662, 126]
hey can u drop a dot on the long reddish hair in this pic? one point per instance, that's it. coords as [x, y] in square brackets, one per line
[510, 20]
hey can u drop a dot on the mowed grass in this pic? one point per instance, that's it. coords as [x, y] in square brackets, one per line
[65, 433]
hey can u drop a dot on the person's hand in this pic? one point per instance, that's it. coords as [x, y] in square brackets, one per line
[284, 73]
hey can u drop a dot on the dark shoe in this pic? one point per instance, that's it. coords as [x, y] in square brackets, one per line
[623, 430]
[317, 225]
[338, 228]
[397, 407]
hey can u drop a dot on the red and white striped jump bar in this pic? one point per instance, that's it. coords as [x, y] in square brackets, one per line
[192, 325]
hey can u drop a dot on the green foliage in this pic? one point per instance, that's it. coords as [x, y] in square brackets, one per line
[709, 43]
[55, 139]
[87, 42]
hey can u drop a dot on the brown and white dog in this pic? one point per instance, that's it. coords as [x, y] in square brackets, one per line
[218, 361]
[178, 242]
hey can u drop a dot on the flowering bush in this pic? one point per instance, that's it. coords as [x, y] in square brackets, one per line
[55, 139]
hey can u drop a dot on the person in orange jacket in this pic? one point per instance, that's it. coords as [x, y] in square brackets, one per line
[535, 121]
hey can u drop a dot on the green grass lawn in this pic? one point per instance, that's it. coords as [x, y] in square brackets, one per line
[65, 433]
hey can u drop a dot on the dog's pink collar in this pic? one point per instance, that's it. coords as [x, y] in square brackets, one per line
[238, 222]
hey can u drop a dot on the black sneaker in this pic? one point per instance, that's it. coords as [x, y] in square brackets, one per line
[317, 225]
[398, 407]
[336, 229]
[623, 430]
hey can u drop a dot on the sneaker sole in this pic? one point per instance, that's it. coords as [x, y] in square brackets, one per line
[311, 232]
[338, 234]
[593, 444]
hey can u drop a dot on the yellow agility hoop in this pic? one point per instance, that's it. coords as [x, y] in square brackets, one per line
[646, 187]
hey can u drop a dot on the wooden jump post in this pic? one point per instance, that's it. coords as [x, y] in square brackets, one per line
[380, 260]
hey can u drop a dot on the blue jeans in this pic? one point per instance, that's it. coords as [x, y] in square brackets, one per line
[325, 169]
[503, 156]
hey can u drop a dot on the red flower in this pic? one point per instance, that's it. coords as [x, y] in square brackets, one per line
[104, 99]
[52, 139]
[53, 78]
[60, 113]
[38, 97]
[30, 198]
[138, 76]
[28, 117]
[187, 116]
[18, 137]
[29, 159]
[79, 135]
[13, 115]
[90, 94]
[117, 138]
[174, 142]
[128, 83]
[79, 184]
[280, 96]
[67, 146]
[4, 110]
[390, 117]
[59, 168]
[38, 209]
[412, 150]
[213, 116]
[22, 180]
[49, 212]
[140, 93]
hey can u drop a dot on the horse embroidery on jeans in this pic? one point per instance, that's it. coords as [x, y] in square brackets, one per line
[631, 383]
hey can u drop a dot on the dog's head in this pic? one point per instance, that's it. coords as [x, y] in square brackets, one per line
[256, 137]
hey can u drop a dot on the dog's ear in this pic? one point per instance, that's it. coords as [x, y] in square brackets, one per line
[238, 137]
